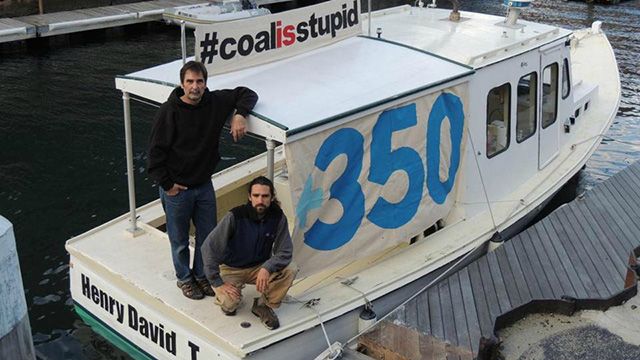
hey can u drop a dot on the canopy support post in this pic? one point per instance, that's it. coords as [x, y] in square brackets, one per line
[271, 145]
[369, 19]
[134, 229]
[183, 41]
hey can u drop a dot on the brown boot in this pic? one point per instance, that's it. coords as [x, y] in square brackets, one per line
[266, 314]
[191, 290]
[205, 287]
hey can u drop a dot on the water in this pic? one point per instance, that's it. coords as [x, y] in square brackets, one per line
[62, 155]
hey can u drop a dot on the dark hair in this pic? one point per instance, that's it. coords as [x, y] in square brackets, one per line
[194, 66]
[261, 180]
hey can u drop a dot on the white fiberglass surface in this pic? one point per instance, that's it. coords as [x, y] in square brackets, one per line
[329, 82]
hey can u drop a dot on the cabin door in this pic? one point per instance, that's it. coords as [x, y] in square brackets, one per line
[549, 127]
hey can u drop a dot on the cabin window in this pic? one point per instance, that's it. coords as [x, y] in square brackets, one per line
[566, 85]
[527, 105]
[549, 95]
[498, 119]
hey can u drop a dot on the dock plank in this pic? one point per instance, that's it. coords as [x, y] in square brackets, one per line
[435, 314]
[572, 273]
[555, 288]
[507, 275]
[459, 314]
[566, 287]
[65, 22]
[607, 218]
[609, 267]
[520, 281]
[539, 274]
[471, 314]
[574, 257]
[485, 321]
[591, 263]
[498, 282]
[629, 183]
[527, 268]
[628, 213]
[629, 191]
[422, 307]
[613, 245]
[614, 215]
[411, 314]
[15, 30]
[634, 172]
[446, 306]
[488, 288]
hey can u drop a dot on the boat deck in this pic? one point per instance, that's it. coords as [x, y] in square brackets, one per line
[64, 22]
[579, 251]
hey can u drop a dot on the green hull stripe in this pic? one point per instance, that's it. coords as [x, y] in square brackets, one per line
[111, 335]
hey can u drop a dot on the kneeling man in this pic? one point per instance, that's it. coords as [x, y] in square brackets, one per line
[251, 245]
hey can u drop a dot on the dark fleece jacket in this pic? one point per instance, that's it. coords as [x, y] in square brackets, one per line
[184, 140]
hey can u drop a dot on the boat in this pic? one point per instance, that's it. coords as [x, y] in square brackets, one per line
[398, 141]
[215, 11]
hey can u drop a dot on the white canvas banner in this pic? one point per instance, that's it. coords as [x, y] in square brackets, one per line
[233, 45]
[377, 181]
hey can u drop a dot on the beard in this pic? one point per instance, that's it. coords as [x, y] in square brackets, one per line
[260, 209]
[195, 95]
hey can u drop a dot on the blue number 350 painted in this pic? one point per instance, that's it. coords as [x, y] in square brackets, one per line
[384, 162]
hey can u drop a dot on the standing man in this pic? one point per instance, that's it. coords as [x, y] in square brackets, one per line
[183, 154]
[251, 245]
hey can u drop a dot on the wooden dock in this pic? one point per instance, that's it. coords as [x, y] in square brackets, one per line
[65, 22]
[576, 258]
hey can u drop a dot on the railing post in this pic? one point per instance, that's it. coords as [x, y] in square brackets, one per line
[369, 12]
[271, 145]
[134, 229]
[183, 41]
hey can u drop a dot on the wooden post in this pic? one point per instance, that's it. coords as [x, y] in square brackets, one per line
[631, 277]
[40, 7]
[15, 332]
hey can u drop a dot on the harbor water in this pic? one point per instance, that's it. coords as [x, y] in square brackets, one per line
[62, 156]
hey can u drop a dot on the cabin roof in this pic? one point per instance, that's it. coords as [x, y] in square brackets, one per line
[318, 87]
[476, 40]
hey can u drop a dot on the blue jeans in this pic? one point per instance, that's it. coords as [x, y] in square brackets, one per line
[197, 204]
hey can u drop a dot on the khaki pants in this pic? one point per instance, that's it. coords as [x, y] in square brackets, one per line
[277, 287]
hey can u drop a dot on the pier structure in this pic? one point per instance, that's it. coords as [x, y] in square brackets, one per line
[65, 22]
[583, 256]
[15, 331]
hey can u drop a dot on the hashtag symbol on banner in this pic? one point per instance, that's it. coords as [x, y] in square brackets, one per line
[208, 46]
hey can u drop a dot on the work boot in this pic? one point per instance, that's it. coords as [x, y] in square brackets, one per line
[205, 287]
[191, 290]
[227, 312]
[266, 314]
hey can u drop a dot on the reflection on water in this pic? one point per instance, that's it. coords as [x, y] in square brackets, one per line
[62, 146]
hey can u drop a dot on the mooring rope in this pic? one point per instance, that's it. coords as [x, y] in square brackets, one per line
[310, 304]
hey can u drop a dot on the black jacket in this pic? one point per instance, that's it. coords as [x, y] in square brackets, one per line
[184, 140]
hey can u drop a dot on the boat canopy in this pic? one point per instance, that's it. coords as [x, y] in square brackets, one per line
[301, 93]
